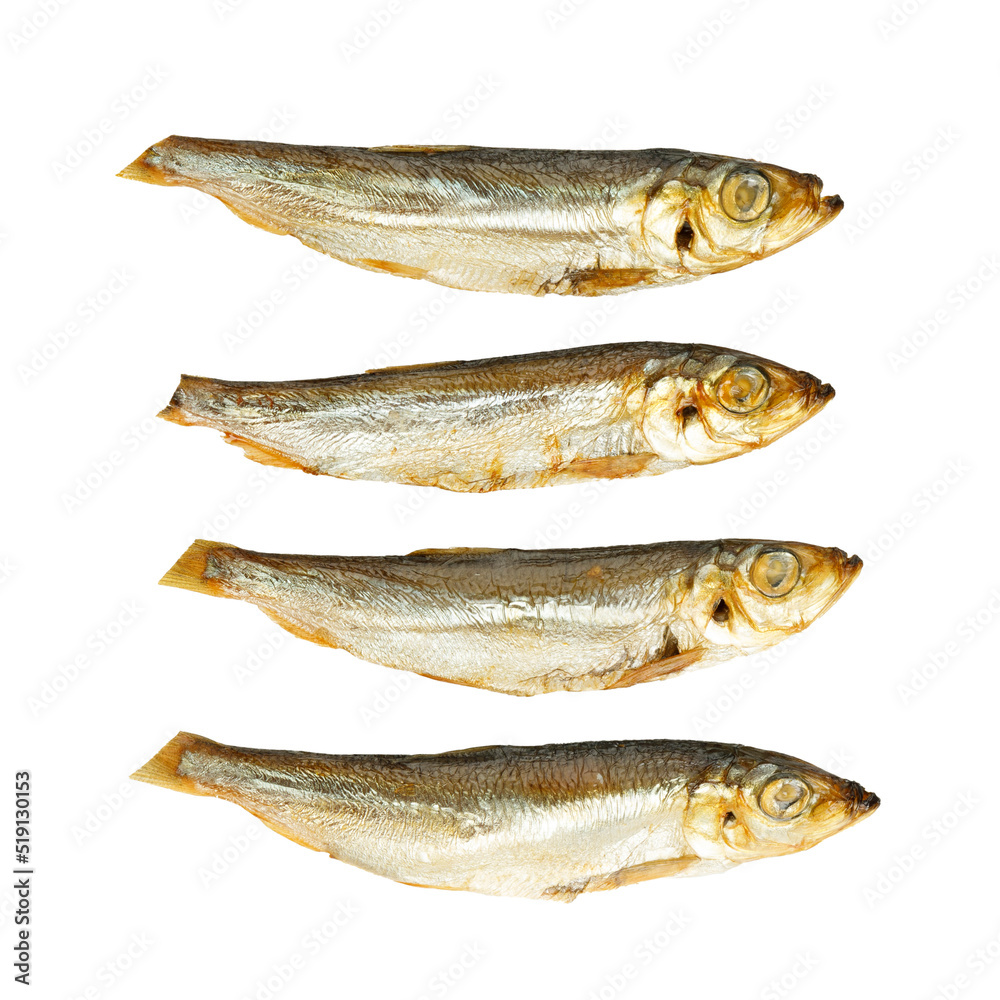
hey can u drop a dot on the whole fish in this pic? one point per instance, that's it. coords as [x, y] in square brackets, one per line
[556, 417]
[533, 221]
[528, 622]
[545, 822]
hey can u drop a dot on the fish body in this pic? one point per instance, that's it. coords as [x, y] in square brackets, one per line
[530, 622]
[611, 411]
[533, 221]
[543, 822]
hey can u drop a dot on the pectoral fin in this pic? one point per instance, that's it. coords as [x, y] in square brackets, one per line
[657, 669]
[642, 873]
[610, 466]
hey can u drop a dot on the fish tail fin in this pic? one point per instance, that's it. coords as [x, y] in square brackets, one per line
[186, 404]
[157, 165]
[201, 402]
[164, 769]
[189, 572]
[178, 159]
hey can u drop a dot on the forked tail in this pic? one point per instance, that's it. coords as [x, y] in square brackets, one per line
[190, 572]
[171, 767]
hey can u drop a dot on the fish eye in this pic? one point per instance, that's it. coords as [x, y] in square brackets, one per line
[745, 194]
[742, 389]
[775, 572]
[784, 798]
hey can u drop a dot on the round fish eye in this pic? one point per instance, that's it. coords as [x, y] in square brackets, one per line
[745, 194]
[775, 572]
[742, 389]
[784, 798]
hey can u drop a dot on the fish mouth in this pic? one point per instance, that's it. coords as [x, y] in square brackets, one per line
[863, 803]
[827, 208]
[819, 394]
[850, 567]
[830, 206]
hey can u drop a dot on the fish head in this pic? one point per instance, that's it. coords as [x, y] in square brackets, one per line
[748, 595]
[723, 403]
[754, 804]
[716, 214]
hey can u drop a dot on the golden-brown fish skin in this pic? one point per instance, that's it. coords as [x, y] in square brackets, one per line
[550, 418]
[528, 622]
[542, 822]
[533, 221]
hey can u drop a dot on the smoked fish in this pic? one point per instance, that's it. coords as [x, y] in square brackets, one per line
[542, 822]
[530, 622]
[556, 417]
[533, 221]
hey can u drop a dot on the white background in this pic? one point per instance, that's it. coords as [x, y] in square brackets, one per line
[125, 903]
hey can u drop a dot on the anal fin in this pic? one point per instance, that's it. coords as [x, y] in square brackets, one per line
[264, 455]
[655, 670]
[392, 267]
[298, 629]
